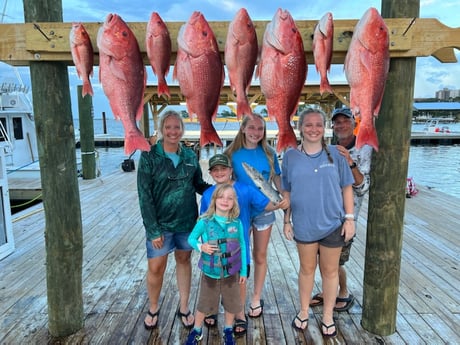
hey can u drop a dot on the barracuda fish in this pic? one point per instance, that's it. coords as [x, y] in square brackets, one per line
[264, 186]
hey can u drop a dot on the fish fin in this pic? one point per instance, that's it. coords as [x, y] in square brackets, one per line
[285, 140]
[163, 89]
[367, 135]
[324, 86]
[208, 137]
[87, 89]
[136, 141]
[242, 108]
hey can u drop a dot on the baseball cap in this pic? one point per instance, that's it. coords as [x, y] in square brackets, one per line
[219, 159]
[342, 111]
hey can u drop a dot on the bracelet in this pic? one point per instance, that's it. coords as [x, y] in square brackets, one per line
[349, 216]
[289, 222]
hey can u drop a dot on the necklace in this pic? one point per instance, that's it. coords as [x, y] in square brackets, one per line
[312, 157]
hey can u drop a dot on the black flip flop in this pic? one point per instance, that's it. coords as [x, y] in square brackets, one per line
[301, 322]
[260, 306]
[186, 315]
[319, 298]
[210, 317]
[239, 323]
[348, 303]
[152, 315]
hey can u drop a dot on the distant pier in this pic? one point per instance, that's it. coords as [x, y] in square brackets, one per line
[193, 137]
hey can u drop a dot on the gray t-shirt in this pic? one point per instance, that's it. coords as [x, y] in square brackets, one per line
[316, 186]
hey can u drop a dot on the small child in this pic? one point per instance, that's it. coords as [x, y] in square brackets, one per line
[219, 236]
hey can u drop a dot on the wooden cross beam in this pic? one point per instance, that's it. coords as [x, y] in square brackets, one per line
[409, 37]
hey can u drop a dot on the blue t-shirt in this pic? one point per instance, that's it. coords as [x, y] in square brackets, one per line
[257, 159]
[315, 187]
[250, 200]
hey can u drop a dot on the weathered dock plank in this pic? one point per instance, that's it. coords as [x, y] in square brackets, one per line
[115, 297]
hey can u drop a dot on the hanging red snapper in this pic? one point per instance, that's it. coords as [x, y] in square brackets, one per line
[366, 68]
[81, 49]
[323, 37]
[158, 46]
[200, 73]
[123, 78]
[241, 50]
[282, 70]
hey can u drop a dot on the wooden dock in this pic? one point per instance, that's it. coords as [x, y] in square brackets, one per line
[114, 266]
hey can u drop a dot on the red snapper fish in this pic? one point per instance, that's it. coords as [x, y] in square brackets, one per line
[323, 37]
[200, 73]
[282, 70]
[82, 56]
[241, 50]
[123, 78]
[158, 46]
[366, 68]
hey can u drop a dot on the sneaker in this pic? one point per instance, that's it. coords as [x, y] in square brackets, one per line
[228, 337]
[194, 337]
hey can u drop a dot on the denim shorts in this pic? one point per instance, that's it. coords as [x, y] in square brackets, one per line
[264, 220]
[171, 242]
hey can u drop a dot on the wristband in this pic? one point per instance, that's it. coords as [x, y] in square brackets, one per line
[349, 216]
[287, 222]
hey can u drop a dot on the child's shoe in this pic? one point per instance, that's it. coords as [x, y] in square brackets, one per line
[228, 337]
[194, 337]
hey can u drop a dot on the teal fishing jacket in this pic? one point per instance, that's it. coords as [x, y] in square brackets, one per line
[167, 198]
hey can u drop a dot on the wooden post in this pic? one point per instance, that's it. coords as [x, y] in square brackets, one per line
[56, 151]
[104, 123]
[387, 192]
[145, 123]
[85, 115]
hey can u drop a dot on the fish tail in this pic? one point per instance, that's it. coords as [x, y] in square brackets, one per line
[87, 89]
[210, 136]
[163, 89]
[136, 141]
[367, 135]
[286, 139]
[324, 86]
[242, 108]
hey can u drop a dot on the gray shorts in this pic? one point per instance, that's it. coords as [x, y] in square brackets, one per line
[333, 240]
[171, 242]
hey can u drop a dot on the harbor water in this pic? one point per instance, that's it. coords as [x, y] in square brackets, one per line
[433, 166]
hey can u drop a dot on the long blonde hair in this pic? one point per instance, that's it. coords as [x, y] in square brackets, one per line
[218, 192]
[319, 111]
[240, 140]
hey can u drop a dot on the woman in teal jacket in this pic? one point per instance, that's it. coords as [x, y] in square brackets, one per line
[167, 179]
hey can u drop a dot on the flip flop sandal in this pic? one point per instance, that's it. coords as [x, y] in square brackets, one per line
[293, 324]
[239, 323]
[326, 335]
[211, 317]
[348, 303]
[318, 298]
[253, 309]
[186, 315]
[152, 315]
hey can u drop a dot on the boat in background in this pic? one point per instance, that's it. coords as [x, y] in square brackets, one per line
[436, 125]
[17, 132]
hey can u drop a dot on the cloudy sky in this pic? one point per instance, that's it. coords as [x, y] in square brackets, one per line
[431, 75]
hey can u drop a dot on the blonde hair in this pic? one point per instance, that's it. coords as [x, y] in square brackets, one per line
[240, 140]
[164, 116]
[218, 192]
[319, 111]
